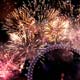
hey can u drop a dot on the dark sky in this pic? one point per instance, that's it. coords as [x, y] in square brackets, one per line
[6, 6]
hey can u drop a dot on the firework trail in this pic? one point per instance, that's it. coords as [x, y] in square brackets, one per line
[27, 34]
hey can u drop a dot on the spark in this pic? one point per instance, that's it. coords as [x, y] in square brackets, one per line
[27, 35]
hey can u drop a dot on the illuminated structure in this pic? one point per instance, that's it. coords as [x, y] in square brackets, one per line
[55, 62]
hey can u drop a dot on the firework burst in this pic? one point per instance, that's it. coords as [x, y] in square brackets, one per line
[27, 35]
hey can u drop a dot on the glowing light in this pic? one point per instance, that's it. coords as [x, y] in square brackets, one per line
[26, 36]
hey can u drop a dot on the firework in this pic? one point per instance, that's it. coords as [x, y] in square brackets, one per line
[27, 34]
